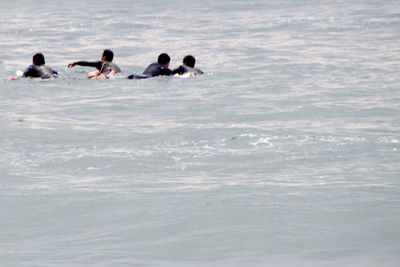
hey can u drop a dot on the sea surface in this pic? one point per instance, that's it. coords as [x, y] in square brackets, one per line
[285, 153]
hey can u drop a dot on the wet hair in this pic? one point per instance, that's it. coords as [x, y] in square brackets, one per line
[189, 61]
[108, 55]
[38, 59]
[163, 58]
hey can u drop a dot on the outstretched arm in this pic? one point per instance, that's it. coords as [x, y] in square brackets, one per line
[96, 64]
[11, 78]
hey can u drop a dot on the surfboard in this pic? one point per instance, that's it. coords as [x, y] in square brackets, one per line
[185, 75]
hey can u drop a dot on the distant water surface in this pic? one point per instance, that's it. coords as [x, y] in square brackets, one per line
[285, 153]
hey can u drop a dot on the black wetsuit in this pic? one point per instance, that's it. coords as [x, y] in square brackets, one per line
[185, 69]
[153, 70]
[103, 66]
[157, 69]
[43, 72]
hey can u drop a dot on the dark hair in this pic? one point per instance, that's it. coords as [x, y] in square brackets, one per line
[163, 58]
[189, 61]
[38, 59]
[108, 55]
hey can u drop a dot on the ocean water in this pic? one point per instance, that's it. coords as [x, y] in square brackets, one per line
[285, 153]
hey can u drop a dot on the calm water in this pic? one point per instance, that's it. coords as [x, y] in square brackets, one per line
[286, 153]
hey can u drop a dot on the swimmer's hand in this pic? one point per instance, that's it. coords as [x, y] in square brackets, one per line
[106, 76]
[70, 65]
[93, 74]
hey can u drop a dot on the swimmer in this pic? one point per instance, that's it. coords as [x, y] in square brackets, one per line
[188, 67]
[37, 69]
[161, 68]
[105, 67]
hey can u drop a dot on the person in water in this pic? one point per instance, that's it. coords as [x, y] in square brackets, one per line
[38, 69]
[188, 67]
[105, 67]
[161, 68]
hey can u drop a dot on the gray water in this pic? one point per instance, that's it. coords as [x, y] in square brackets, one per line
[285, 153]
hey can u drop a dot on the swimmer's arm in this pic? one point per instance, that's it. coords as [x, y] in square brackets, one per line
[166, 72]
[27, 73]
[178, 70]
[105, 76]
[96, 64]
[11, 78]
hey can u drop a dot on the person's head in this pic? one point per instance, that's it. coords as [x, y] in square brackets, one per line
[163, 59]
[189, 61]
[38, 59]
[108, 55]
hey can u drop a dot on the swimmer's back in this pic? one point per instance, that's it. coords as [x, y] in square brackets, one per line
[43, 72]
[157, 69]
[108, 67]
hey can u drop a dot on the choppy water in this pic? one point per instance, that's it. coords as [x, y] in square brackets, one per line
[286, 153]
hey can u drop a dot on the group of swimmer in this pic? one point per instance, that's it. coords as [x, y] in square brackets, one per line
[105, 68]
